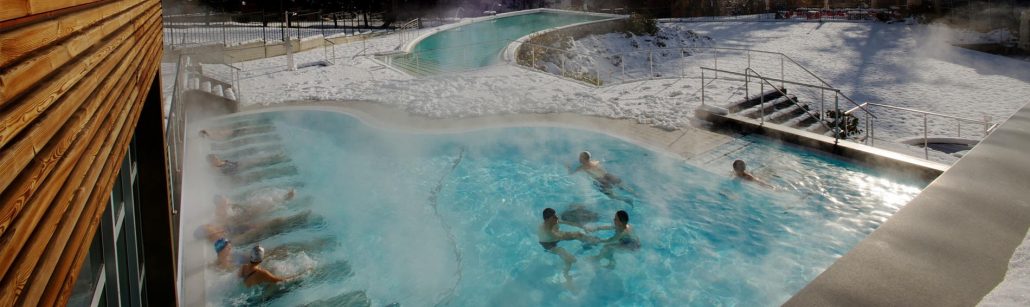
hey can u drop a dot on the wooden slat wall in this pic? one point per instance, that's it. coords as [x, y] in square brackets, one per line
[73, 79]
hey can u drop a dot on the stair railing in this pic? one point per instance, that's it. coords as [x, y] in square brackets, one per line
[751, 73]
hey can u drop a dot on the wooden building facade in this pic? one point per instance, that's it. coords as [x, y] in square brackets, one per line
[84, 210]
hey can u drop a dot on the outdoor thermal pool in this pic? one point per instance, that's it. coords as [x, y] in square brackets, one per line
[419, 219]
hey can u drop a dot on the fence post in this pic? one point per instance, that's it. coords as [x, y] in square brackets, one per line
[650, 63]
[959, 128]
[761, 102]
[782, 76]
[683, 65]
[837, 118]
[749, 58]
[532, 54]
[926, 143]
[987, 124]
[702, 87]
[869, 128]
[716, 63]
[225, 40]
[597, 72]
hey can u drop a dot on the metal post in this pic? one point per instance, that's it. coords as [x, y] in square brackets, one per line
[822, 105]
[959, 128]
[869, 128]
[749, 58]
[622, 63]
[716, 63]
[563, 65]
[225, 40]
[650, 62]
[782, 76]
[761, 102]
[597, 73]
[289, 48]
[987, 124]
[702, 87]
[926, 143]
[532, 53]
[747, 82]
[683, 65]
[836, 120]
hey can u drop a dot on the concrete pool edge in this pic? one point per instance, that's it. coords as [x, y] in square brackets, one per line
[951, 244]
[685, 143]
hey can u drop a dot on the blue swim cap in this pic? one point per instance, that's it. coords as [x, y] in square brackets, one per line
[221, 244]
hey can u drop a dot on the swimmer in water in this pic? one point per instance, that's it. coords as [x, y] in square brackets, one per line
[253, 274]
[548, 235]
[623, 239]
[605, 180]
[740, 171]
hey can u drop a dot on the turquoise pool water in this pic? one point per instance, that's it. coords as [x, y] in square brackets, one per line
[450, 219]
[480, 43]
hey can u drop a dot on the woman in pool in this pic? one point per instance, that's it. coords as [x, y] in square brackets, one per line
[605, 180]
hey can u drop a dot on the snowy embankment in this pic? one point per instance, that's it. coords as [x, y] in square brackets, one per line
[902, 65]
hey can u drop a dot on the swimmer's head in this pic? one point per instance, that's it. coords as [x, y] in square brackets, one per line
[739, 166]
[257, 254]
[622, 217]
[584, 156]
[203, 133]
[290, 194]
[221, 245]
[549, 213]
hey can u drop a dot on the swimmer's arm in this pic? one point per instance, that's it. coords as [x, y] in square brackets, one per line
[574, 170]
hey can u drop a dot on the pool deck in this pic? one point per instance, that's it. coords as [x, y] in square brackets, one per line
[949, 246]
[686, 142]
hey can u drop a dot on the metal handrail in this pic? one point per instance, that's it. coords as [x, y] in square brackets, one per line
[827, 84]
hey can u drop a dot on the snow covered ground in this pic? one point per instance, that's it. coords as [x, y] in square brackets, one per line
[902, 65]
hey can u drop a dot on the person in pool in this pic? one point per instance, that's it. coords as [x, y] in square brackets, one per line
[253, 274]
[227, 260]
[740, 171]
[246, 233]
[549, 235]
[230, 212]
[605, 180]
[623, 239]
[232, 167]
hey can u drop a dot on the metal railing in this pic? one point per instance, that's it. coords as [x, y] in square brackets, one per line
[230, 29]
[750, 73]
[985, 123]
[174, 141]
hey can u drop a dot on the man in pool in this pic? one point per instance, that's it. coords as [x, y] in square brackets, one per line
[227, 260]
[623, 239]
[549, 235]
[740, 171]
[253, 274]
[232, 167]
[605, 180]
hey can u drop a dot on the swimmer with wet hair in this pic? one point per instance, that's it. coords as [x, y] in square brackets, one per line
[228, 260]
[233, 167]
[606, 182]
[740, 171]
[623, 239]
[548, 235]
[253, 274]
